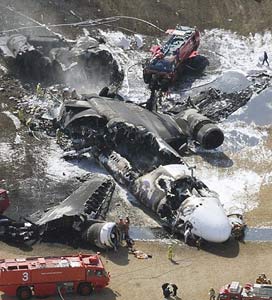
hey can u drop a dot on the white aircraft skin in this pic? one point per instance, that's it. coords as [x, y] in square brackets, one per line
[201, 209]
[208, 219]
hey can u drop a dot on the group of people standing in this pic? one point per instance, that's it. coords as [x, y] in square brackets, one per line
[169, 289]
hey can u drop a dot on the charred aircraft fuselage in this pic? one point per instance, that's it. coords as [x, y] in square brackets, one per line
[140, 149]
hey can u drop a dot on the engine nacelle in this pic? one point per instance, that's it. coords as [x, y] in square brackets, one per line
[103, 235]
[200, 128]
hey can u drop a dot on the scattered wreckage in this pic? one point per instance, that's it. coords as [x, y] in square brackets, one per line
[52, 60]
[141, 150]
[12, 230]
[81, 216]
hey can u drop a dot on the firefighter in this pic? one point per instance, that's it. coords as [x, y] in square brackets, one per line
[58, 135]
[170, 252]
[265, 59]
[21, 116]
[121, 227]
[212, 294]
[126, 228]
[38, 90]
[187, 233]
[74, 94]
[262, 279]
[166, 291]
[65, 94]
[174, 289]
[198, 243]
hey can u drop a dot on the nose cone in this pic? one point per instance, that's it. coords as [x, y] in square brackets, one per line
[210, 221]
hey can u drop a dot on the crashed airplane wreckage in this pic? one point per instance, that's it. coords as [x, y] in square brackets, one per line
[81, 216]
[12, 230]
[50, 59]
[141, 150]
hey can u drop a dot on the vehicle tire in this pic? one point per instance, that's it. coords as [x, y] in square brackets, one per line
[24, 293]
[84, 289]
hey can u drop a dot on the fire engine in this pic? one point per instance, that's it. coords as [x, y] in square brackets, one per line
[47, 276]
[234, 291]
[171, 59]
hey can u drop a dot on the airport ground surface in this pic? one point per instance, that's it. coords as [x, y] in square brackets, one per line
[194, 271]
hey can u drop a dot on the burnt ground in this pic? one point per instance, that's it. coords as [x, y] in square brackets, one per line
[23, 159]
[31, 167]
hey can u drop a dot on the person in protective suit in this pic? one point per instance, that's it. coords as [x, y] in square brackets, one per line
[166, 290]
[265, 58]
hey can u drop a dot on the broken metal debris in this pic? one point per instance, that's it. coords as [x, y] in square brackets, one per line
[49, 59]
[220, 98]
[18, 232]
[218, 105]
[81, 216]
[12, 230]
[237, 222]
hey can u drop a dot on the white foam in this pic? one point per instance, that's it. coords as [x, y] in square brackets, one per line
[58, 168]
[236, 188]
[6, 152]
[139, 40]
[240, 135]
[118, 39]
[238, 52]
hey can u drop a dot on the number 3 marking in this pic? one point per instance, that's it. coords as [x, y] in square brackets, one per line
[25, 276]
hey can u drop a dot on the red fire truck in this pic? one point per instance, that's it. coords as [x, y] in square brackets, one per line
[234, 291]
[47, 276]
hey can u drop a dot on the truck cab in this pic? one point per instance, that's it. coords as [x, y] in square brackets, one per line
[231, 291]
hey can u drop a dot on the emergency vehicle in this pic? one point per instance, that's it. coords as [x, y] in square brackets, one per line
[171, 58]
[47, 276]
[234, 291]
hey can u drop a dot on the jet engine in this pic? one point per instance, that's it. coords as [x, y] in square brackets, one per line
[200, 128]
[103, 235]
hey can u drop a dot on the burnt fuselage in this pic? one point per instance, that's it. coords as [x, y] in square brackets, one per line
[134, 145]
